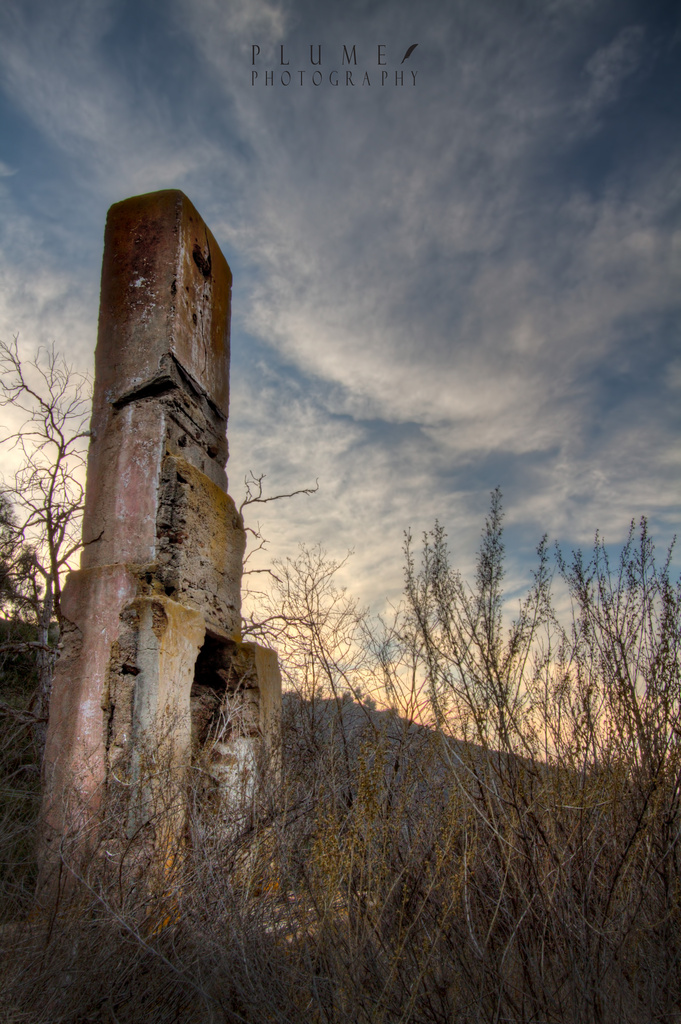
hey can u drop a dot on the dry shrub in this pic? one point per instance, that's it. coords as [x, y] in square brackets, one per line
[514, 857]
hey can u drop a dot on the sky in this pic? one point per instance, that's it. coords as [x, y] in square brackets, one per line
[465, 277]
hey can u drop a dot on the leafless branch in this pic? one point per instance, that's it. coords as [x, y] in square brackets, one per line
[254, 491]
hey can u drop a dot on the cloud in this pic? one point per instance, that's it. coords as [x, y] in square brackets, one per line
[429, 297]
[608, 69]
[41, 299]
[108, 117]
[445, 288]
[240, 23]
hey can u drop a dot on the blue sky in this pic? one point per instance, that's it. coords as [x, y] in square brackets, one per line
[439, 287]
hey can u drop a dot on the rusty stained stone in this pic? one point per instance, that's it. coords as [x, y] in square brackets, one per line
[166, 292]
[75, 754]
[161, 364]
[151, 644]
[169, 638]
[200, 545]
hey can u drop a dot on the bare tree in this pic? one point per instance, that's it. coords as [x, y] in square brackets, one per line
[255, 495]
[47, 490]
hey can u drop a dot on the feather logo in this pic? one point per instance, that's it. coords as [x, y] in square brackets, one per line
[409, 52]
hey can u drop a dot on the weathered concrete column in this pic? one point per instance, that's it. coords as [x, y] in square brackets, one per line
[156, 604]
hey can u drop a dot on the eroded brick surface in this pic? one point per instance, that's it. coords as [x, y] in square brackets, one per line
[153, 673]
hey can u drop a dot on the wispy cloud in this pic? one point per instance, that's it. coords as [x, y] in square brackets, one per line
[437, 289]
[609, 67]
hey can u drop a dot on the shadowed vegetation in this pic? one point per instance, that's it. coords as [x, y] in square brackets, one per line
[472, 822]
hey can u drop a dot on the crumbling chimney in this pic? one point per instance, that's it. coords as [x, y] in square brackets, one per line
[153, 675]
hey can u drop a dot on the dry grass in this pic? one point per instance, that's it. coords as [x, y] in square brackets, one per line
[394, 874]
[404, 889]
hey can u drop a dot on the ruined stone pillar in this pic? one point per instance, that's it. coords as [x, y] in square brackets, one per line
[152, 666]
